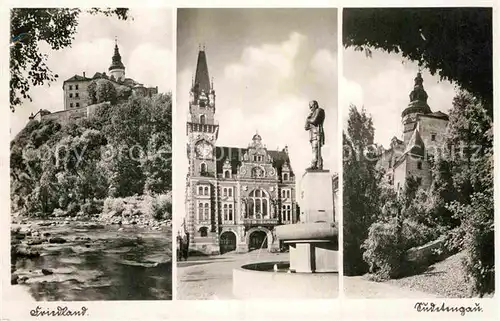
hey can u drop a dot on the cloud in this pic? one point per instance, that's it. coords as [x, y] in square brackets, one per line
[145, 45]
[266, 88]
[382, 85]
[153, 66]
[270, 61]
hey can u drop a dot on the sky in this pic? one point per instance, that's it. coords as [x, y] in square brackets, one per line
[382, 84]
[146, 47]
[267, 65]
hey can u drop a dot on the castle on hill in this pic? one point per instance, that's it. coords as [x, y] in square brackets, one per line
[77, 103]
[423, 136]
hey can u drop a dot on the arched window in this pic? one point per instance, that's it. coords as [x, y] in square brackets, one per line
[251, 210]
[224, 191]
[202, 119]
[203, 231]
[230, 192]
[200, 211]
[227, 174]
[288, 193]
[206, 191]
[207, 212]
[225, 212]
[230, 212]
[286, 213]
[258, 203]
[200, 190]
[203, 168]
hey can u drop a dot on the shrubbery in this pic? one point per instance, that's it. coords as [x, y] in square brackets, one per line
[159, 206]
[65, 167]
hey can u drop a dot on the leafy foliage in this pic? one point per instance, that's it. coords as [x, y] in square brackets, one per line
[456, 43]
[396, 231]
[54, 26]
[361, 189]
[66, 167]
[472, 173]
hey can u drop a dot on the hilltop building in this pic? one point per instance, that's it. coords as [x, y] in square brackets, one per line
[76, 100]
[423, 135]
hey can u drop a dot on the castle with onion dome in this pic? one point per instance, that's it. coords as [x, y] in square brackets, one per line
[77, 103]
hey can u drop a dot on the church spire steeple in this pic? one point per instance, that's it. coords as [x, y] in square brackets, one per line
[202, 78]
[117, 69]
[418, 98]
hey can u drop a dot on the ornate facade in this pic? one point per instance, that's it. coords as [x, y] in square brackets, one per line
[423, 136]
[234, 196]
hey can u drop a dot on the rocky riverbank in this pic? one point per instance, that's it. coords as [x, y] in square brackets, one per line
[67, 258]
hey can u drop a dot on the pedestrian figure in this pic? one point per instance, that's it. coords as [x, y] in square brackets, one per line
[185, 244]
[179, 246]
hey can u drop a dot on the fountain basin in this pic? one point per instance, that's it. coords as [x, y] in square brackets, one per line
[305, 231]
[313, 246]
[259, 281]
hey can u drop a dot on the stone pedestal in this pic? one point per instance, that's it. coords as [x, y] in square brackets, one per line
[316, 197]
[313, 242]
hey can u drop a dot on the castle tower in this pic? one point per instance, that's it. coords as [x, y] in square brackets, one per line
[202, 190]
[117, 69]
[418, 105]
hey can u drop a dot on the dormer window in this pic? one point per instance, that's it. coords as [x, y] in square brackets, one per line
[203, 168]
[202, 119]
[285, 176]
[227, 174]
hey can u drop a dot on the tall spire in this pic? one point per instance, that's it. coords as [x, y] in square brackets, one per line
[202, 79]
[116, 61]
[418, 92]
[418, 98]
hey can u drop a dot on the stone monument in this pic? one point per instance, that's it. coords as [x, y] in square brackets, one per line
[312, 270]
[313, 242]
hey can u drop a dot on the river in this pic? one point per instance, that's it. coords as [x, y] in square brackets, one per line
[99, 262]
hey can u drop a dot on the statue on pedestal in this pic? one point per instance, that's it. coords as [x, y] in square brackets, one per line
[314, 124]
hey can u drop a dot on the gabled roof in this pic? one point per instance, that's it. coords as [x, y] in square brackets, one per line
[235, 155]
[415, 144]
[77, 78]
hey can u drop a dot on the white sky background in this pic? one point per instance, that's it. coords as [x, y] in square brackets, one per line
[267, 65]
[145, 45]
[382, 84]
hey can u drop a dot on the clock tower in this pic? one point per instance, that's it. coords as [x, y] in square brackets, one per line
[202, 132]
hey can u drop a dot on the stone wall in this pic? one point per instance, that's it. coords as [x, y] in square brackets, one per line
[427, 253]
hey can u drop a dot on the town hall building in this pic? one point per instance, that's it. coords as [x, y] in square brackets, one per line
[422, 137]
[235, 196]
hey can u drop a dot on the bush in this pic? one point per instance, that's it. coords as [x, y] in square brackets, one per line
[59, 212]
[91, 208]
[383, 250]
[73, 209]
[159, 207]
[386, 245]
[113, 204]
[417, 234]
